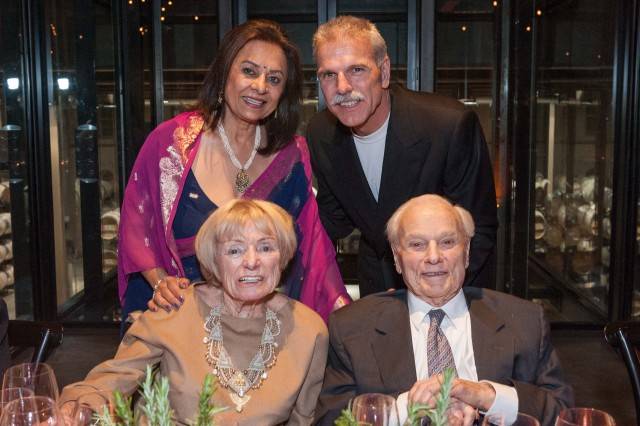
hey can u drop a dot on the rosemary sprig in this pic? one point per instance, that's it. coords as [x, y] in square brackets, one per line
[438, 415]
[104, 418]
[122, 416]
[123, 409]
[346, 418]
[155, 405]
[206, 408]
[155, 397]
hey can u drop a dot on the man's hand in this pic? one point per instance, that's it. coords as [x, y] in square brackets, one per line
[466, 397]
[460, 413]
[477, 394]
[168, 294]
[425, 391]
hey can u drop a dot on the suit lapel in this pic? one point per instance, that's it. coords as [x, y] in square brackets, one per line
[400, 167]
[349, 173]
[492, 344]
[391, 344]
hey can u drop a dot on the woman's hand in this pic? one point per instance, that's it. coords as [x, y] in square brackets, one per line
[68, 411]
[168, 293]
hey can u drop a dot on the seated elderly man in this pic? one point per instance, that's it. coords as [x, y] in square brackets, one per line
[399, 342]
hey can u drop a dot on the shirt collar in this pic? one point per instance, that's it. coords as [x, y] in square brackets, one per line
[380, 132]
[455, 309]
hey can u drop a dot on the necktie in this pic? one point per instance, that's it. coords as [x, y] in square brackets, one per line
[439, 355]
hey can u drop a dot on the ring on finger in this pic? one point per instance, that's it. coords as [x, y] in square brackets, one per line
[157, 284]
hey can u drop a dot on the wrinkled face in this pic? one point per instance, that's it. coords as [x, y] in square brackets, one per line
[255, 82]
[432, 253]
[353, 85]
[249, 265]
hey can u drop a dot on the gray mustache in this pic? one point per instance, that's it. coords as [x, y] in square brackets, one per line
[349, 97]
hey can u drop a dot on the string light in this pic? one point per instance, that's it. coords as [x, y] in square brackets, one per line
[162, 18]
[464, 28]
[539, 12]
[13, 83]
[63, 83]
[495, 4]
[528, 28]
[195, 18]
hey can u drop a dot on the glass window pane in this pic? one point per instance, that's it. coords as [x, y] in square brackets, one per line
[299, 23]
[189, 44]
[465, 63]
[15, 271]
[391, 19]
[106, 117]
[448, 6]
[84, 153]
[574, 158]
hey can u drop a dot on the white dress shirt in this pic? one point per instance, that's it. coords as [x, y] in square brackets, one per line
[456, 326]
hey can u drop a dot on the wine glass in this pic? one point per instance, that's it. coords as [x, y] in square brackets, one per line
[32, 411]
[375, 409]
[38, 377]
[11, 394]
[584, 417]
[90, 404]
[521, 420]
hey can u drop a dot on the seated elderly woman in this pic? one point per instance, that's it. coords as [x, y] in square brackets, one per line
[233, 321]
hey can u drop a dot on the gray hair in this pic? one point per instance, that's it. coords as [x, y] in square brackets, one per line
[464, 220]
[349, 27]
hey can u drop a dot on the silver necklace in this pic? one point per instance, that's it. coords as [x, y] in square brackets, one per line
[239, 382]
[242, 178]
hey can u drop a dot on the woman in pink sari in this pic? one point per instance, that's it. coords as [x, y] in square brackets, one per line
[238, 143]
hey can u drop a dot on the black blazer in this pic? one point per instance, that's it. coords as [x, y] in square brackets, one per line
[434, 145]
[371, 351]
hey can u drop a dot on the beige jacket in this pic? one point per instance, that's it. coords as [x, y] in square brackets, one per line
[175, 341]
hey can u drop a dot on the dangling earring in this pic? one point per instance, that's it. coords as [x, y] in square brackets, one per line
[275, 114]
[220, 99]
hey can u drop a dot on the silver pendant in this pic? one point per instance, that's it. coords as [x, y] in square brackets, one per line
[239, 401]
[242, 181]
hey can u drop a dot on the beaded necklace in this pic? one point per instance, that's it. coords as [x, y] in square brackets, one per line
[239, 382]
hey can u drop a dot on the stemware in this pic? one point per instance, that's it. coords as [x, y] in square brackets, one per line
[90, 404]
[38, 377]
[375, 409]
[32, 411]
[521, 420]
[584, 417]
[11, 394]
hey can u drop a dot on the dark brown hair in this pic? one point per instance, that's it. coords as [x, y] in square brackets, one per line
[281, 126]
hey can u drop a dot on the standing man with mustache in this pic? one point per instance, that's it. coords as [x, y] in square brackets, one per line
[378, 146]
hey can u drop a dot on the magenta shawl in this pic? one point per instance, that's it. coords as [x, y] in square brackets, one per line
[145, 236]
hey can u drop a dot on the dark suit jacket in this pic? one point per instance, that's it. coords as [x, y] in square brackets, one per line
[371, 351]
[434, 145]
